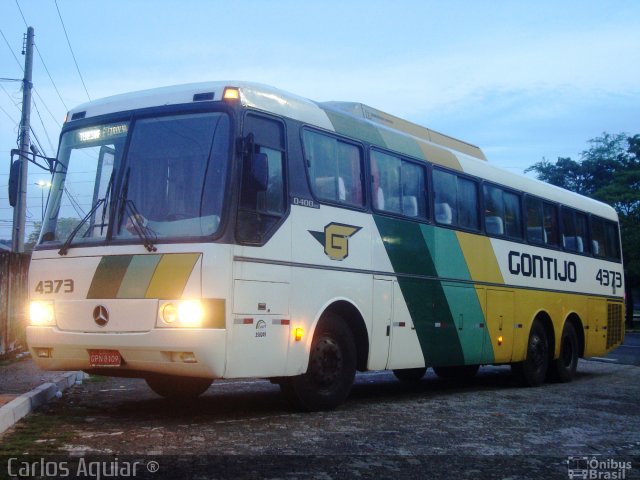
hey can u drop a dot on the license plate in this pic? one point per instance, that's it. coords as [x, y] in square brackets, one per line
[104, 358]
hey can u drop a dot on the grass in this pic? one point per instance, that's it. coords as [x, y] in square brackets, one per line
[38, 433]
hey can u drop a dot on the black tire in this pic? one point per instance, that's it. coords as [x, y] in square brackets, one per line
[563, 369]
[178, 388]
[331, 370]
[533, 370]
[461, 372]
[410, 374]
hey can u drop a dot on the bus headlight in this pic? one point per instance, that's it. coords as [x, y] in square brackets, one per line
[190, 313]
[181, 313]
[41, 313]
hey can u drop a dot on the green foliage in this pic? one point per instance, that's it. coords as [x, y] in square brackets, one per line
[609, 171]
[64, 226]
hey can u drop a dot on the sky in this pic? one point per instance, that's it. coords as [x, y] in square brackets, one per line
[522, 80]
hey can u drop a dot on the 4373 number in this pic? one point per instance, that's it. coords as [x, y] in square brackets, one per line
[55, 286]
[609, 278]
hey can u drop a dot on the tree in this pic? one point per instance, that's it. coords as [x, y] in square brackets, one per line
[609, 171]
[64, 227]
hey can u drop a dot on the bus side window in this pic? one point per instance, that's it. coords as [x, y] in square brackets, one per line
[574, 231]
[335, 168]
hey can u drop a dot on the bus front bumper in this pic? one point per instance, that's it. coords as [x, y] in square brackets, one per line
[184, 352]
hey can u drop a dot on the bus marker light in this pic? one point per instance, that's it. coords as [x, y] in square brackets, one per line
[231, 93]
[298, 333]
[500, 339]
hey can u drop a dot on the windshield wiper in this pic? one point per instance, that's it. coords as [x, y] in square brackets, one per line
[139, 227]
[136, 218]
[74, 232]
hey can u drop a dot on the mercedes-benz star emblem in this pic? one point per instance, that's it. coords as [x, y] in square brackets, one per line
[101, 315]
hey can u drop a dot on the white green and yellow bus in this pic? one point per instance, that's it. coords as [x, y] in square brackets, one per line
[230, 230]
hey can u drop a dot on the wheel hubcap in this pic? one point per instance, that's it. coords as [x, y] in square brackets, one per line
[326, 362]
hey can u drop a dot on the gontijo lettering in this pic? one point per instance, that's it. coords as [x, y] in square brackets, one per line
[537, 266]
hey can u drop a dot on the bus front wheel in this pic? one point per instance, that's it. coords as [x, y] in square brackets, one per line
[331, 370]
[178, 388]
[533, 370]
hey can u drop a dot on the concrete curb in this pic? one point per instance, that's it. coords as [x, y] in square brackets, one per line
[28, 402]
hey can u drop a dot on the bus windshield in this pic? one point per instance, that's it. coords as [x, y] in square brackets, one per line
[172, 176]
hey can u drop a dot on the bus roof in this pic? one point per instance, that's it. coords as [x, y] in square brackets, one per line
[352, 119]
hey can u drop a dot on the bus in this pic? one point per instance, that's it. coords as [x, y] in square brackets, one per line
[232, 230]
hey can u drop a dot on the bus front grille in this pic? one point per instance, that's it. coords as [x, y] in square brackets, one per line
[614, 324]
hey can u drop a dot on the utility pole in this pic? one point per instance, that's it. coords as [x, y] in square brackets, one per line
[19, 211]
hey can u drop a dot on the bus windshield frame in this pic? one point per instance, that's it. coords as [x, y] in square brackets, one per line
[157, 176]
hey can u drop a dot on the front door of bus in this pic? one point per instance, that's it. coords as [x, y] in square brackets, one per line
[260, 332]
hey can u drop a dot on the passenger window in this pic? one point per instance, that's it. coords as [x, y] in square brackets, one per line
[598, 238]
[535, 231]
[512, 215]
[612, 240]
[334, 168]
[502, 215]
[551, 229]
[468, 204]
[413, 185]
[397, 185]
[493, 210]
[574, 231]
[456, 200]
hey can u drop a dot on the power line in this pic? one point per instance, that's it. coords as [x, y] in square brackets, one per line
[71, 49]
[45, 130]
[9, 116]
[53, 117]
[11, 50]
[55, 87]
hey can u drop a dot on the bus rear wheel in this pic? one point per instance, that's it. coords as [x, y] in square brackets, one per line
[410, 374]
[331, 370]
[460, 372]
[564, 367]
[533, 370]
[178, 388]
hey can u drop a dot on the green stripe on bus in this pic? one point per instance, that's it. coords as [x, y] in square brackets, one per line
[138, 276]
[463, 302]
[426, 300]
[401, 143]
[108, 277]
[350, 127]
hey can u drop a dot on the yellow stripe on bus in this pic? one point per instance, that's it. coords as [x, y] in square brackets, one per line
[480, 258]
[171, 275]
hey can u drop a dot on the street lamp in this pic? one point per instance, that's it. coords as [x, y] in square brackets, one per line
[42, 184]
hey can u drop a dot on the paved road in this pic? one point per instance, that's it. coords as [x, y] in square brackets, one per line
[489, 428]
[629, 352]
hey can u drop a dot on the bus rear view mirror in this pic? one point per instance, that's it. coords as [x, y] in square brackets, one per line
[260, 171]
[14, 179]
